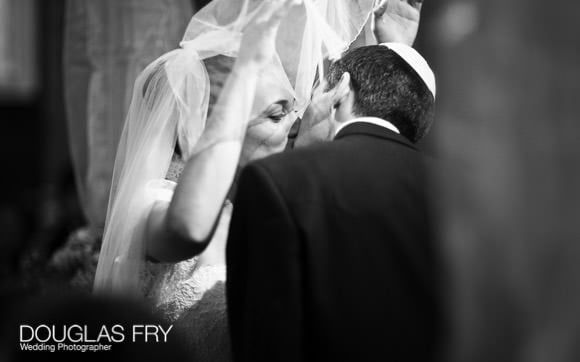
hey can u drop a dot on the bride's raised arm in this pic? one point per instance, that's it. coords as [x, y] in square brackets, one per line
[182, 228]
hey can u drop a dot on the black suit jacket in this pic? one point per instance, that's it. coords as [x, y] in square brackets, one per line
[331, 254]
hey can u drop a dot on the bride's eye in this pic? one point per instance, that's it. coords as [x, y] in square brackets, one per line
[276, 112]
[277, 117]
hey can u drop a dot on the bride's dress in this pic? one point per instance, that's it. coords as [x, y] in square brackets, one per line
[193, 299]
[191, 296]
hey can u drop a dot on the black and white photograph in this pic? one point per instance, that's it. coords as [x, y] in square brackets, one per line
[289, 180]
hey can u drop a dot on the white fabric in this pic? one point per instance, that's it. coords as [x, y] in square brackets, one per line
[372, 120]
[160, 106]
[160, 190]
[170, 101]
[311, 32]
[417, 62]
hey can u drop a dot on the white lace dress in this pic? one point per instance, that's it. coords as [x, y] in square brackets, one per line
[192, 296]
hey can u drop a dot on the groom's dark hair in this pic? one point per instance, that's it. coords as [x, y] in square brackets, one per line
[386, 87]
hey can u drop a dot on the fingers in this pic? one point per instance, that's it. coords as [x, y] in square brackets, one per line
[322, 103]
[319, 89]
[342, 88]
[283, 9]
[417, 4]
[383, 5]
[273, 11]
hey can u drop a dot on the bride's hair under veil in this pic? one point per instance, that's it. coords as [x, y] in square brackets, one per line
[170, 106]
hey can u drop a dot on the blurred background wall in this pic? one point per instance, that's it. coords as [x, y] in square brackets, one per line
[507, 132]
[107, 44]
[66, 70]
[33, 141]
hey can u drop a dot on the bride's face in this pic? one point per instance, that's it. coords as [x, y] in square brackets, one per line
[271, 119]
[272, 113]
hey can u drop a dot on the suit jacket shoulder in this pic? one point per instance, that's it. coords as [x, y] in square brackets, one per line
[362, 155]
[338, 236]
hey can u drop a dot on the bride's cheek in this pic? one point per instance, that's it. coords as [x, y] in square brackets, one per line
[281, 146]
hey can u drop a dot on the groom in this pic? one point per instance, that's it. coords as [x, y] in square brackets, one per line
[331, 255]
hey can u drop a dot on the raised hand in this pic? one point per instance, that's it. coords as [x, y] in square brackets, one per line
[267, 135]
[316, 123]
[397, 20]
[259, 39]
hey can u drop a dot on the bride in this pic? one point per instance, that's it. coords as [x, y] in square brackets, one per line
[150, 216]
[169, 208]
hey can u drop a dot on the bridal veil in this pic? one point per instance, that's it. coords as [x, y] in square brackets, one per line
[170, 104]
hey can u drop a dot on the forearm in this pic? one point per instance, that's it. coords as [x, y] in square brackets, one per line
[210, 171]
[202, 190]
[231, 113]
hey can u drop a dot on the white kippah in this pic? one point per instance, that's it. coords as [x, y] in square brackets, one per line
[417, 62]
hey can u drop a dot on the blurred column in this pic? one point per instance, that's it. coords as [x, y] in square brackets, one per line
[108, 42]
[18, 62]
[508, 129]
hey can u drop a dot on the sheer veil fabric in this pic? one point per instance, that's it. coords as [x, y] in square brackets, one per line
[170, 104]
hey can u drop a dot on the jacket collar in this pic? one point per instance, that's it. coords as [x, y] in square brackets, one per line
[374, 120]
[373, 130]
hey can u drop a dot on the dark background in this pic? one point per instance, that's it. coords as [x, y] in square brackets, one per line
[38, 203]
[37, 179]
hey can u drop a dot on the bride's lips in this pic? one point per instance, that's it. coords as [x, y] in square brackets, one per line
[293, 134]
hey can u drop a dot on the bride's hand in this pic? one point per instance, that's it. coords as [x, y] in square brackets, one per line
[259, 39]
[316, 122]
[397, 21]
[268, 133]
